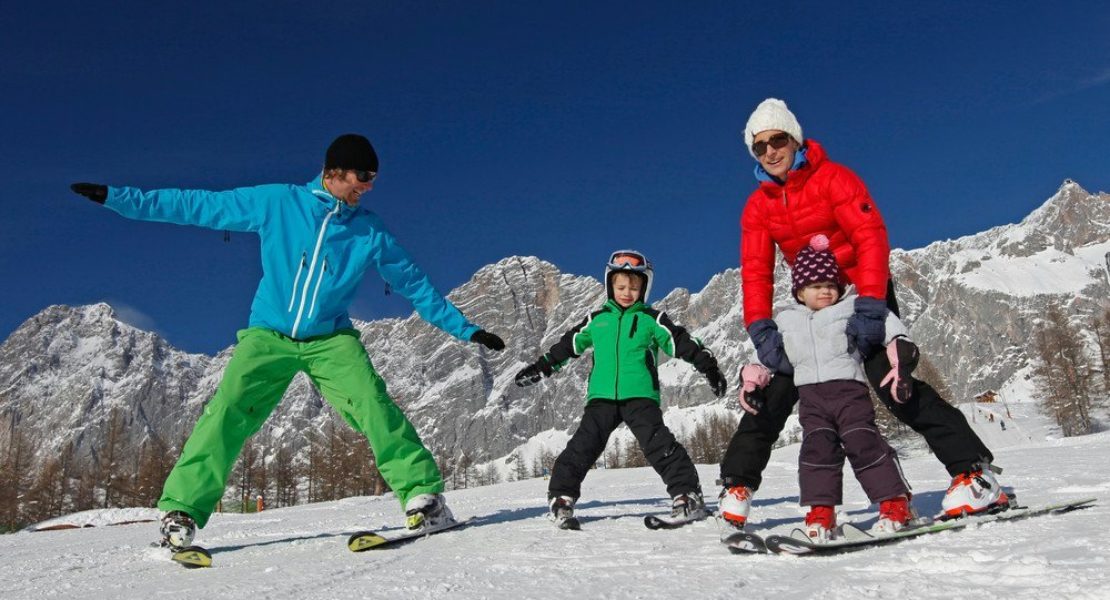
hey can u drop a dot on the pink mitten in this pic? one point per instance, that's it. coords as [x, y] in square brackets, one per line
[753, 378]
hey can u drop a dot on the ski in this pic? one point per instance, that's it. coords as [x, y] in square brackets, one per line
[192, 557]
[656, 522]
[371, 540]
[859, 540]
[742, 542]
[569, 524]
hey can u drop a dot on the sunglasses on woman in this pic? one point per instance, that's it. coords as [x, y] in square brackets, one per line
[777, 141]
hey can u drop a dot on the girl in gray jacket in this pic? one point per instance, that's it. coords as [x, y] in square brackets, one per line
[837, 417]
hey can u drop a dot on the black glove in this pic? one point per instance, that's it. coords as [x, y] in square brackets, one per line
[93, 191]
[488, 340]
[769, 346]
[716, 381]
[866, 328]
[534, 372]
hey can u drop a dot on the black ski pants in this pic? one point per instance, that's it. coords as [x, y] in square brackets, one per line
[943, 426]
[645, 419]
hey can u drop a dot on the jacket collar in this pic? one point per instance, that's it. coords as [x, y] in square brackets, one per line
[614, 307]
[808, 158]
[316, 186]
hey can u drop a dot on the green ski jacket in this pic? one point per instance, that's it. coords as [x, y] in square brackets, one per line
[626, 343]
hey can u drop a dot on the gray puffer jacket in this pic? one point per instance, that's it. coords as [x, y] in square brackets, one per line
[816, 343]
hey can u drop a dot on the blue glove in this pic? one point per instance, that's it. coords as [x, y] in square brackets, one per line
[866, 327]
[769, 346]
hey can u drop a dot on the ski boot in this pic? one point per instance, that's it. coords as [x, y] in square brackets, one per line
[688, 507]
[820, 524]
[894, 514]
[178, 530]
[427, 511]
[974, 492]
[562, 512]
[734, 504]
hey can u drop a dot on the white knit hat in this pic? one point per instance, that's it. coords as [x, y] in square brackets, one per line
[771, 114]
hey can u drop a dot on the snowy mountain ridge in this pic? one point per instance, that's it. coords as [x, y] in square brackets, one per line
[970, 303]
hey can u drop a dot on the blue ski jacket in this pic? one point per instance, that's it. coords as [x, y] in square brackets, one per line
[315, 251]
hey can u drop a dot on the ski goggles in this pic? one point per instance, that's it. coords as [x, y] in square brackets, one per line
[630, 260]
[365, 176]
[777, 141]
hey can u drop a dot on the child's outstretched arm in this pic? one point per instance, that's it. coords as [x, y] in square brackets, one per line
[677, 342]
[571, 345]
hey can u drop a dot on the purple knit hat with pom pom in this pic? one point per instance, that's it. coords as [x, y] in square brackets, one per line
[815, 264]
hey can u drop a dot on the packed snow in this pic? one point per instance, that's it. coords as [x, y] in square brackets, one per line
[512, 551]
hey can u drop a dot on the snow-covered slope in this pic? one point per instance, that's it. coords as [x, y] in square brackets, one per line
[513, 552]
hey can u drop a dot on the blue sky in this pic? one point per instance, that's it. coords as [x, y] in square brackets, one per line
[561, 130]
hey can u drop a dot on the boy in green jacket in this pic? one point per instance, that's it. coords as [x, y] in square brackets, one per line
[626, 335]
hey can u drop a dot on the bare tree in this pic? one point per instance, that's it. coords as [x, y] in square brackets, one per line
[110, 469]
[14, 479]
[613, 458]
[1102, 338]
[543, 463]
[154, 463]
[461, 471]
[929, 373]
[489, 474]
[285, 477]
[520, 469]
[634, 454]
[707, 443]
[1064, 373]
[245, 473]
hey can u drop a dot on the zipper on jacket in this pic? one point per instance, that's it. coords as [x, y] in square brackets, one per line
[296, 278]
[813, 345]
[316, 290]
[635, 322]
[617, 362]
[312, 267]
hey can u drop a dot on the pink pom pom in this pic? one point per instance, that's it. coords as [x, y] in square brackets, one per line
[819, 243]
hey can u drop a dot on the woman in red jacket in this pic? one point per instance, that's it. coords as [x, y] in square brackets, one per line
[802, 193]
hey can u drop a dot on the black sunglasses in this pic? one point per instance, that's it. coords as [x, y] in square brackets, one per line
[777, 141]
[365, 176]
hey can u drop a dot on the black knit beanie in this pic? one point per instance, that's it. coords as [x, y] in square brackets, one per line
[351, 151]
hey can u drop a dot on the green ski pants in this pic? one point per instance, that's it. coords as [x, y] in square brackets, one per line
[261, 368]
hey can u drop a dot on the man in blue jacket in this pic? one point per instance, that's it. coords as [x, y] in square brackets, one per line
[317, 244]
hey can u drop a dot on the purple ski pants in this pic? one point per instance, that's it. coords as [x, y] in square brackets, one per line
[838, 421]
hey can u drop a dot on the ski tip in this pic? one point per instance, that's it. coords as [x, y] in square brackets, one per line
[782, 544]
[364, 540]
[745, 543]
[571, 524]
[193, 557]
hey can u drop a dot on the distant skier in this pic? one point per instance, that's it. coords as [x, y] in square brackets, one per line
[802, 193]
[626, 336]
[835, 407]
[317, 244]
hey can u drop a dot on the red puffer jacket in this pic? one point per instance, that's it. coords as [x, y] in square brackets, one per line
[821, 197]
